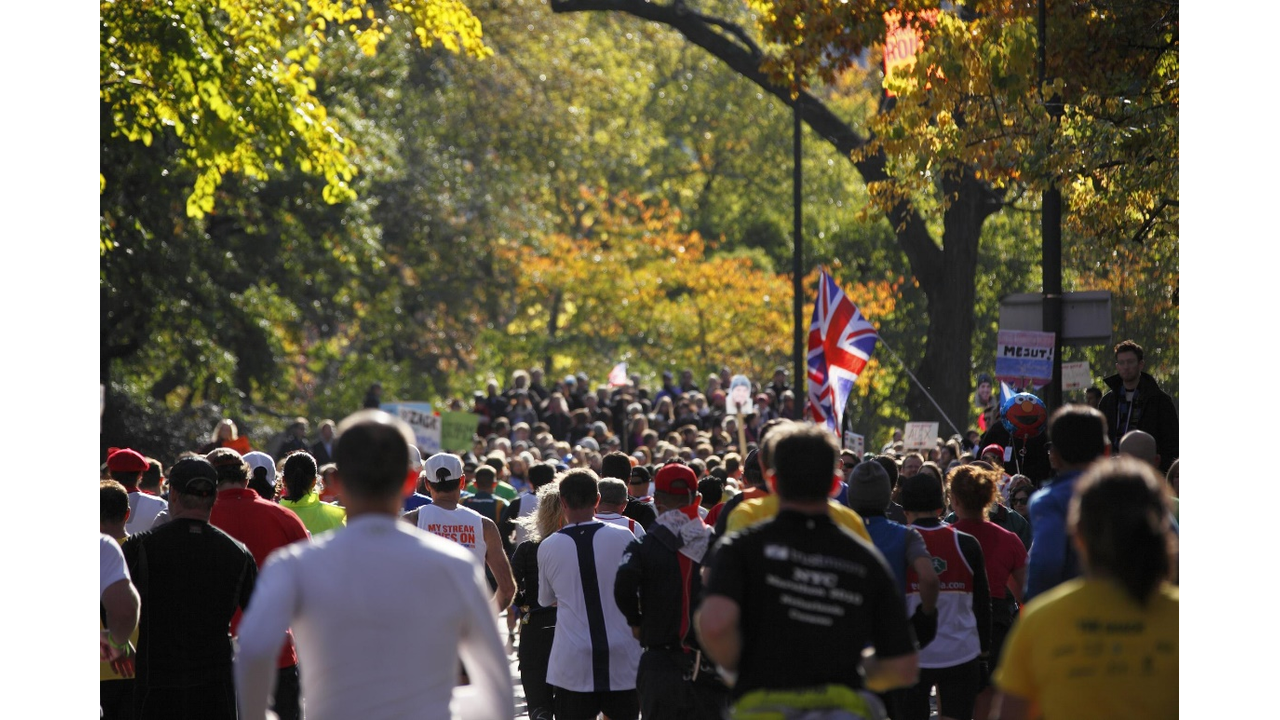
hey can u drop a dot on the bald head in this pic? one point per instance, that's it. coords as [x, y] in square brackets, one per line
[1140, 445]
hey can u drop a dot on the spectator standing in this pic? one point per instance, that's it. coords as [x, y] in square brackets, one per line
[1092, 397]
[322, 449]
[1136, 402]
[295, 437]
[557, 417]
[226, 434]
[373, 397]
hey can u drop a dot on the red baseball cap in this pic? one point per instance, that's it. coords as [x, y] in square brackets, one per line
[125, 460]
[675, 480]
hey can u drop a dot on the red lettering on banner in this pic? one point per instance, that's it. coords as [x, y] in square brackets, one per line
[903, 40]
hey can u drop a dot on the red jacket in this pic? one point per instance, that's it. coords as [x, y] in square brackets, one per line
[262, 526]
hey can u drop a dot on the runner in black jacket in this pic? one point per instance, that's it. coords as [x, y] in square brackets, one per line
[658, 581]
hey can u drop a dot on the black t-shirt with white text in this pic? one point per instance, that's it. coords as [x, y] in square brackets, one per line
[811, 595]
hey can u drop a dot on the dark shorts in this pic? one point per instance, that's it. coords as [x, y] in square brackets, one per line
[957, 690]
[215, 701]
[667, 689]
[616, 705]
[116, 699]
[1003, 612]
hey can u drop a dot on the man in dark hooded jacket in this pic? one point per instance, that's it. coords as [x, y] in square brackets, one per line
[1136, 402]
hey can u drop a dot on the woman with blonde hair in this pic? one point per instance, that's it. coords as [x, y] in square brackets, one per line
[537, 623]
[226, 435]
[663, 416]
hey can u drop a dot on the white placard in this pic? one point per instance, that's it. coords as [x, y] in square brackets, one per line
[920, 436]
[855, 442]
[422, 418]
[1075, 376]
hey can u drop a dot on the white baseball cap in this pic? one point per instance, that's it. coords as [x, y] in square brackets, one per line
[443, 467]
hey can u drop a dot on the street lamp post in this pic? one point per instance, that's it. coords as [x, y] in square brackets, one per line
[1051, 239]
[797, 345]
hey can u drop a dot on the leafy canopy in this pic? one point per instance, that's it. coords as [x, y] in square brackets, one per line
[1103, 127]
[234, 80]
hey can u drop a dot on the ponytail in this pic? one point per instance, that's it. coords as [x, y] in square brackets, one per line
[299, 475]
[1121, 516]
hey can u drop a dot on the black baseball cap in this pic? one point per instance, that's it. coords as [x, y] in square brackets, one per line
[193, 476]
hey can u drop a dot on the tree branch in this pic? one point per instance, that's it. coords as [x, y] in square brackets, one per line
[736, 50]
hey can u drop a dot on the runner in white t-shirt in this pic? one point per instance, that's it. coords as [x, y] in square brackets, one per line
[126, 466]
[594, 656]
[120, 600]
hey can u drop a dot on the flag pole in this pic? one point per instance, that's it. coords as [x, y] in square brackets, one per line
[923, 389]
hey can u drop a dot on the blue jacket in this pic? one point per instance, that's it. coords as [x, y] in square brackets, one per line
[1051, 559]
[890, 538]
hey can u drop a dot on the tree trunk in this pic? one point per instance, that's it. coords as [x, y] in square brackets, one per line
[945, 370]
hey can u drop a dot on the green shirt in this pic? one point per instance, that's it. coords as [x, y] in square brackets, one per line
[502, 490]
[317, 516]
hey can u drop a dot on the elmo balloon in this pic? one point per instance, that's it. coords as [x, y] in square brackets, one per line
[1024, 415]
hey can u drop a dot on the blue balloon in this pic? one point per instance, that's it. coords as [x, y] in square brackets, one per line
[1024, 415]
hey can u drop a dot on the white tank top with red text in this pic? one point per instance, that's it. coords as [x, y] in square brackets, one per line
[461, 525]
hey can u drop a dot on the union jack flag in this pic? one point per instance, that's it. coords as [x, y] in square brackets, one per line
[841, 341]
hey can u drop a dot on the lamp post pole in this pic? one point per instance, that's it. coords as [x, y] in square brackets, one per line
[1051, 238]
[797, 347]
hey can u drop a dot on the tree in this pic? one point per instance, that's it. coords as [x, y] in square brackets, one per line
[915, 149]
[630, 286]
[945, 270]
[233, 81]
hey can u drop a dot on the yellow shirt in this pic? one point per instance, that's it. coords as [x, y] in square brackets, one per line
[1086, 650]
[750, 512]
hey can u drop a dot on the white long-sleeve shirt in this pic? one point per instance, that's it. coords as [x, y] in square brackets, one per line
[381, 611]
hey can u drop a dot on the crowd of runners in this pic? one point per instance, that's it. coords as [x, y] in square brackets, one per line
[651, 556]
